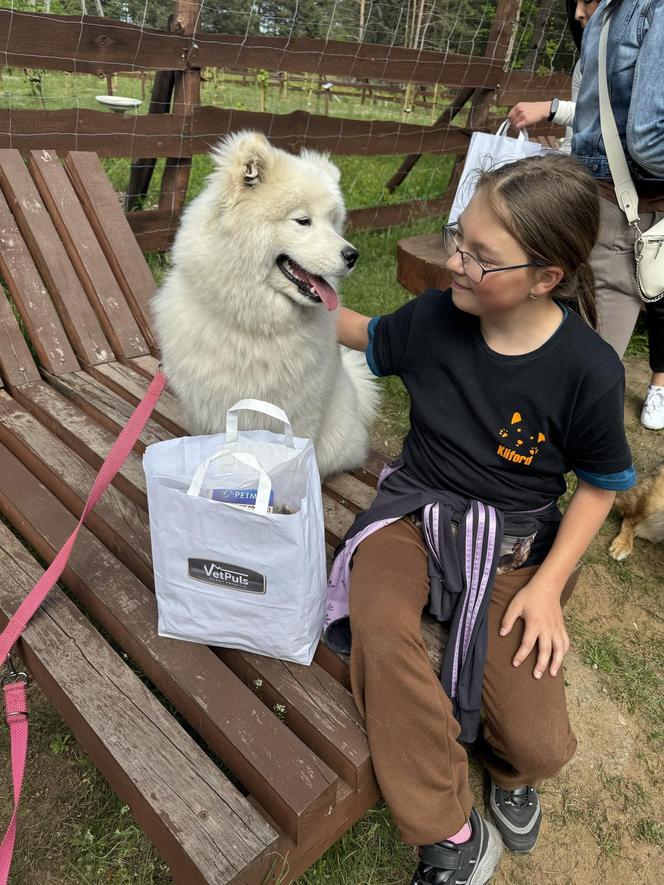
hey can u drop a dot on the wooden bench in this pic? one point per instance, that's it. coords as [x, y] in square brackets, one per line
[287, 787]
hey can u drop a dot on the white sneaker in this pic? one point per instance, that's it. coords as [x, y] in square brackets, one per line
[652, 415]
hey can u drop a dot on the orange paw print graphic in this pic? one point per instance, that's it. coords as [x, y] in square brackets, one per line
[522, 439]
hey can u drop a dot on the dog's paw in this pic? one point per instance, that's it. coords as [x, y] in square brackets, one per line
[620, 547]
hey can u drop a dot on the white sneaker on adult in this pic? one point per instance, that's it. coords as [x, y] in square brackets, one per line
[652, 414]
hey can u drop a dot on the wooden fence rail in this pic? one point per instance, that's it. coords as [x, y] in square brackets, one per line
[164, 135]
[103, 47]
[90, 45]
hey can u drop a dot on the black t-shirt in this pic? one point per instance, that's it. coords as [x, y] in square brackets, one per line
[503, 429]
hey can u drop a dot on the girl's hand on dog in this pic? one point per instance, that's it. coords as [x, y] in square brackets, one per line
[543, 624]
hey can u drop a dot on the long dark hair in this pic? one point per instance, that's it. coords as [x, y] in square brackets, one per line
[550, 205]
[573, 24]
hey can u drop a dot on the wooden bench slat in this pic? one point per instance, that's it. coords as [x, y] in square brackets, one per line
[90, 441]
[16, 363]
[85, 253]
[80, 321]
[100, 403]
[144, 365]
[318, 709]
[205, 829]
[351, 490]
[27, 289]
[108, 220]
[131, 385]
[371, 469]
[289, 780]
[116, 520]
[338, 519]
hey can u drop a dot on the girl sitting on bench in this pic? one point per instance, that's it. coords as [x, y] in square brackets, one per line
[510, 388]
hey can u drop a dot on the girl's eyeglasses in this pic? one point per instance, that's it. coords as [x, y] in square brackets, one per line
[473, 269]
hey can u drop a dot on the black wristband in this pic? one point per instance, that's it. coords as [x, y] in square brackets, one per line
[554, 109]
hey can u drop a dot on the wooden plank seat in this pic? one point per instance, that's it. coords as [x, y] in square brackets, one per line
[287, 786]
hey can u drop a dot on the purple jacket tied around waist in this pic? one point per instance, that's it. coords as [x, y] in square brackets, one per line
[462, 567]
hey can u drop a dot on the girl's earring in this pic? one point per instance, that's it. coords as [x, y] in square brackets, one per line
[533, 297]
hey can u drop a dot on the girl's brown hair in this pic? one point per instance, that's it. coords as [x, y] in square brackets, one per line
[550, 205]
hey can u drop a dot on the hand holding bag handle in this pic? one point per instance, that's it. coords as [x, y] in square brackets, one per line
[648, 246]
[264, 481]
[256, 405]
[504, 127]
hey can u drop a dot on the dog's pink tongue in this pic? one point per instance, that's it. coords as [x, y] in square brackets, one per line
[324, 291]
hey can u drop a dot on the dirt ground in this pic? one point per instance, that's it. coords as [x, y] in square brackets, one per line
[602, 817]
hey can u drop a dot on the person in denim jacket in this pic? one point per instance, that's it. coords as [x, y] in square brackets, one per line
[635, 72]
[529, 113]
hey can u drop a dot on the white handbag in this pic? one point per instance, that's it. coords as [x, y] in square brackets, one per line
[648, 245]
[238, 541]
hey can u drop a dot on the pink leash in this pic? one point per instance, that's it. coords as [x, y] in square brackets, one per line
[14, 684]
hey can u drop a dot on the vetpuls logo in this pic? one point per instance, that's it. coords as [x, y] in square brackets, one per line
[521, 445]
[223, 574]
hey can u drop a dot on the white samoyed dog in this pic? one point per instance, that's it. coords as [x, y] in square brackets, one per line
[248, 308]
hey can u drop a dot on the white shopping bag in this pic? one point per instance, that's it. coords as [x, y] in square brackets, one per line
[238, 546]
[487, 151]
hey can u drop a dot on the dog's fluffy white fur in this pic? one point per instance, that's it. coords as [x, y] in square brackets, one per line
[232, 325]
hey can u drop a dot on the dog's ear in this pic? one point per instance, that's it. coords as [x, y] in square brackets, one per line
[322, 160]
[243, 159]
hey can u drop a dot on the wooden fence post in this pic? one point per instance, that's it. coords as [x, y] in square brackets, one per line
[142, 169]
[499, 46]
[187, 94]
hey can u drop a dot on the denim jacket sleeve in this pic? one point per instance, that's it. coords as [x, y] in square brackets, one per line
[636, 85]
[645, 121]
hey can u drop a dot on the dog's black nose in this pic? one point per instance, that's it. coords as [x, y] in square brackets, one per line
[350, 255]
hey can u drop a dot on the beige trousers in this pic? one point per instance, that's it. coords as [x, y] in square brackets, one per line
[612, 263]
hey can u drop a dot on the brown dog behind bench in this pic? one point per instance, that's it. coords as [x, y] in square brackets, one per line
[642, 509]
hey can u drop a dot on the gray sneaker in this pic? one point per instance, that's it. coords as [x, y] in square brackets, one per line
[471, 863]
[516, 814]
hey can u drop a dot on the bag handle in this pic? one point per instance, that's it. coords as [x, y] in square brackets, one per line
[264, 481]
[623, 185]
[256, 405]
[505, 125]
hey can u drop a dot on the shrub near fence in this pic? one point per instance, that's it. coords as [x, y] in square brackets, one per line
[83, 44]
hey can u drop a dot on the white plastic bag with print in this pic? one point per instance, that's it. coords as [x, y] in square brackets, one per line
[238, 547]
[487, 151]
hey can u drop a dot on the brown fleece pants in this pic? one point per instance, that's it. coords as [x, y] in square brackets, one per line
[421, 769]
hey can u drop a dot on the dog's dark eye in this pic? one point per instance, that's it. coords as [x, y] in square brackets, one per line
[303, 221]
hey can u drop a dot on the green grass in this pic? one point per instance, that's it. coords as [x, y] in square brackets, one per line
[630, 665]
[363, 179]
[60, 90]
[370, 853]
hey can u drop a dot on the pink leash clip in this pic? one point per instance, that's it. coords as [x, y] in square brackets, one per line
[14, 686]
